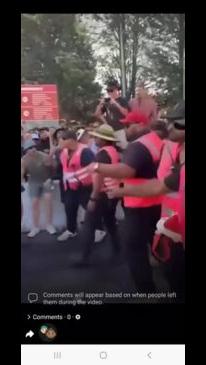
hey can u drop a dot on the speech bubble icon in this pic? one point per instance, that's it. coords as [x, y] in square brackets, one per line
[33, 297]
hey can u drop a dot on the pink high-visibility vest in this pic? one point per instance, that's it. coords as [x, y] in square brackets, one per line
[170, 152]
[181, 210]
[154, 145]
[73, 165]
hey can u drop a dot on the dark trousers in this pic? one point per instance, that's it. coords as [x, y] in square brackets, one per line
[104, 211]
[72, 200]
[138, 231]
[71, 204]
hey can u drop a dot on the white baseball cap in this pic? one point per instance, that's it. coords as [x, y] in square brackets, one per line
[35, 136]
[80, 133]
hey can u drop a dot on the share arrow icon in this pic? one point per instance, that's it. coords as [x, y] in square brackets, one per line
[29, 334]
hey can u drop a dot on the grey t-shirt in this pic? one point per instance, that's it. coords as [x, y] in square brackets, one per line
[36, 168]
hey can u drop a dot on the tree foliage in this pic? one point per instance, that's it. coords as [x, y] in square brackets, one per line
[56, 49]
[70, 50]
[165, 50]
[153, 47]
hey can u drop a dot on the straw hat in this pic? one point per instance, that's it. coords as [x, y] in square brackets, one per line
[105, 132]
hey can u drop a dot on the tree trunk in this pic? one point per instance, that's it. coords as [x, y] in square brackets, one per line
[134, 68]
[181, 51]
[134, 58]
[122, 54]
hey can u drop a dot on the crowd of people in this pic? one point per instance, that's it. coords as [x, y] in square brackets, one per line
[133, 157]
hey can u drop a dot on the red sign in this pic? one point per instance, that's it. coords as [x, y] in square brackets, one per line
[39, 103]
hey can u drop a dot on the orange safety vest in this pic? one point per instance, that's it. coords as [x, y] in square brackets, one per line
[73, 165]
[154, 145]
[181, 210]
[170, 202]
[115, 158]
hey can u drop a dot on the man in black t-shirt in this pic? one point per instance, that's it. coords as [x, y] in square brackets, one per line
[174, 182]
[112, 109]
[99, 207]
[140, 221]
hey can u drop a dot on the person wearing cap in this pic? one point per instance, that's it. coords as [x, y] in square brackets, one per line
[144, 103]
[38, 166]
[43, 144]
[99, 207]
[83, 136]
[113, 108]
[74, 156]
[35, 137]
[139, 164]
[174, 182]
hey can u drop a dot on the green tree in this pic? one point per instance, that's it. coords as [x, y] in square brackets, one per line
[153, 48]
[164, 47]
[56, 49]
[133, 28]
[110, 39]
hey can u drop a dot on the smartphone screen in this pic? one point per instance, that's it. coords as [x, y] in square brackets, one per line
[102, 271]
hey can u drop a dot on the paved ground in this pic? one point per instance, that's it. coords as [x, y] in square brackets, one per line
[46, 266]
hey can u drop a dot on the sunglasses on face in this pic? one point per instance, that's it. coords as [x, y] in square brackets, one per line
[179, 126]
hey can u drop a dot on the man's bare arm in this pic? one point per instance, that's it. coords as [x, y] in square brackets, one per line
[118, 171]
[97, 185]
[153, 187]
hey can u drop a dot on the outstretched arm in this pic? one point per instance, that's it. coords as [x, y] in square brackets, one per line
[119, 170]
[153, 187]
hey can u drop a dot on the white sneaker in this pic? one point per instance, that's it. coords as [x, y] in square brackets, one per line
[50, 229]
[99, 235]
[33, 232]
[65, 235]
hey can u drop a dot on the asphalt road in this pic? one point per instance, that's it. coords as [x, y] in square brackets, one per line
[46, 267]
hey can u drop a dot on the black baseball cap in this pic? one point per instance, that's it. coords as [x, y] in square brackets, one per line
[178, 113]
